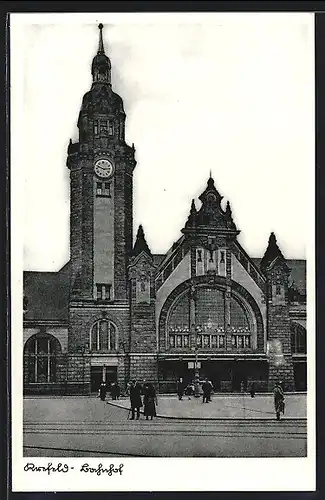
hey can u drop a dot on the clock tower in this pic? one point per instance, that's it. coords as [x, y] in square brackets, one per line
[101, 168]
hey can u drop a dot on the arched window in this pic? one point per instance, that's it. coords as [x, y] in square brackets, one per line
[41, 352]
[103, 336]
[210, 321]
[298, 339]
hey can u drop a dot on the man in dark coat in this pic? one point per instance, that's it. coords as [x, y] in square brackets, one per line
[135, 399]
[207, 389]
[180, 389]
[102, 391]
[278, 400]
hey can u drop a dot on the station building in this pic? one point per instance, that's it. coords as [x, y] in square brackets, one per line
[116, 311]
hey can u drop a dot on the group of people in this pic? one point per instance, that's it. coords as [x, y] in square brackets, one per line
[193, 388]
[147, 390]
[207, 388]
[114, 388]
[135, 391]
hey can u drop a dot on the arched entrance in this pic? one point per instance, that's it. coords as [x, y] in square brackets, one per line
[206, 328]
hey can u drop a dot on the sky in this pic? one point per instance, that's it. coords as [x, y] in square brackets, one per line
[228, 93]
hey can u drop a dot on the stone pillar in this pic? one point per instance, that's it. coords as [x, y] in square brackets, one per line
[278, 330]
[228, 300]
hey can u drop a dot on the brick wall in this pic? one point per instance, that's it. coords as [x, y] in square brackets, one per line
[82, 318]
[144, 367]
[278, 328]
[87, 232]
[123, 221]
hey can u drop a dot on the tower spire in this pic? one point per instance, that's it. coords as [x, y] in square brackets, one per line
[101, 43]
[101, 65]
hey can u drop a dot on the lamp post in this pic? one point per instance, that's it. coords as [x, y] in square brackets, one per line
[126, 363]
[83, 351]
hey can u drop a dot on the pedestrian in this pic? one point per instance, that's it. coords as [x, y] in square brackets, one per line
[189, 390]
[278, 400]
[211, 391]
[113, 393]
[253, 389]
[150, 401]
[135, 399]
[207, 389]
[180, 389]
[197, 388]
[117, 390]
[102, 391]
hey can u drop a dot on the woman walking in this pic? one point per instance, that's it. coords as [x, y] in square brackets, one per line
[149, 401]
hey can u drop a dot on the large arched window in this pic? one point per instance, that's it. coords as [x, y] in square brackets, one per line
[209, 318]
[41, 352]
[103, 336]
[298, 339]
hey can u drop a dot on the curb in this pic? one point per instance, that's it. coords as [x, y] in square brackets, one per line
[213, 419]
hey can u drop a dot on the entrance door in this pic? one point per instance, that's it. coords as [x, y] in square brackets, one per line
[98, 374]
[111, 375]
[300, 374]
[239, 376]
[96, 378]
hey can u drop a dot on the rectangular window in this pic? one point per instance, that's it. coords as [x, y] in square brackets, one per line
[99, 188]
[110, 128]
[214, 341]
[103, 291]
[278, 289]
[206, 341]
[199, 255]
[185, 341]
[103, 189]
[96, 128]
[247, 341]
[107, 189]
[107, 292]
[221, 341]
[103, 127]
[179, 341]
[99, 292]
[172, 340]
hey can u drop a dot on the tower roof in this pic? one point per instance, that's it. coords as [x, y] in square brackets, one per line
[141, 244]
[271, 253]
[211, 216]
[101, 65]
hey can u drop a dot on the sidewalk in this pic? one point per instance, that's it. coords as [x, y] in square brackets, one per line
[223, 407]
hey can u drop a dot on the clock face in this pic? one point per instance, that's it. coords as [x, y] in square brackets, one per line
[103, 168]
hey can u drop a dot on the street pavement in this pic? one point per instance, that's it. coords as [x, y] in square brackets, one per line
[233, 426]
[241, 406]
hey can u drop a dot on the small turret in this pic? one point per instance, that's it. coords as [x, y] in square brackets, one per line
[272, 253]
[141, 244]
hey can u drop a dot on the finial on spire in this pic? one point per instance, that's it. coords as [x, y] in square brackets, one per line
[101, 44]
[210, 174]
